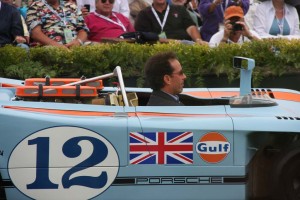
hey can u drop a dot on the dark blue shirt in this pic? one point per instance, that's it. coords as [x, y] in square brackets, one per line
[10, 24]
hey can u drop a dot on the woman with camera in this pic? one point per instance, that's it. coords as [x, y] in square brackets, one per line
[235, 29]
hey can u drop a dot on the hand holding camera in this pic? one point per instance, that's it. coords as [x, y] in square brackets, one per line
[236, 26]
[85, 10]
[233, 26]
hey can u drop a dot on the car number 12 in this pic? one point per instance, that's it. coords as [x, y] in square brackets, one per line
[63, 161]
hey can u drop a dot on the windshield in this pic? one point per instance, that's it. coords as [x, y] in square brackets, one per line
[251, 101]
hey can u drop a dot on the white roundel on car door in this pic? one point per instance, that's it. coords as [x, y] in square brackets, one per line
[63, 163]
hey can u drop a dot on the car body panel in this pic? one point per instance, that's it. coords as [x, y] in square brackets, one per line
[83, 151]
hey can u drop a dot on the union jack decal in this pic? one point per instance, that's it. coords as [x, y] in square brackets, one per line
[161, 148]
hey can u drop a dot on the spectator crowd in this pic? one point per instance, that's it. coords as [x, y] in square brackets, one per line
[201, 22]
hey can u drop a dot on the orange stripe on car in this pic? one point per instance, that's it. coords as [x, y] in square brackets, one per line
[62, 112]
[157, 114]
[287, 96]
[214, 94]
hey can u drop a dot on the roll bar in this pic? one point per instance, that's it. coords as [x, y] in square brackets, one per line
[117, 72]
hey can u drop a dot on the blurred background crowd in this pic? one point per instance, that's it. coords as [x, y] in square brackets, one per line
[27, 23]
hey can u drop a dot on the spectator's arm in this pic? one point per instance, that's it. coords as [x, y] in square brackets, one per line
[296, 22]
[245, 4]
[25, 29]
[80, 24]
[40, 37]
[79, 40]
[84, 11]
[213, 5]
[195, 35]
[204, 7]
[251, 35]
[227, 31]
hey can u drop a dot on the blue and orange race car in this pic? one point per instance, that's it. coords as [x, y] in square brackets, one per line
[77, 139]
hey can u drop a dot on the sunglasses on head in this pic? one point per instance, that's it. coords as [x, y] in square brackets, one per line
[110, 1]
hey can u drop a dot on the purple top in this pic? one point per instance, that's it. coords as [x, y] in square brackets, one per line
[212, 20]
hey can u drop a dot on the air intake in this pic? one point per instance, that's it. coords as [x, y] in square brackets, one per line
[261, 92]
[287, 118]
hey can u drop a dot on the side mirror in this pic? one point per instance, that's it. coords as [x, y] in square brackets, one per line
[246, 65]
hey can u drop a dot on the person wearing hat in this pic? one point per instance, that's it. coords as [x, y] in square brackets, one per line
[212, 12]
[235, 29]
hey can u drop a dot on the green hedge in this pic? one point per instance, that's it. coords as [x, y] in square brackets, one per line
[273, 58]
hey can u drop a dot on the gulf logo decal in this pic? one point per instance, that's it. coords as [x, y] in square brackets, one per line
[63, 163]
[213, 147]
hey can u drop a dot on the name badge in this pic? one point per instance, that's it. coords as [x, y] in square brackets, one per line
[68, 35]
[162, 35]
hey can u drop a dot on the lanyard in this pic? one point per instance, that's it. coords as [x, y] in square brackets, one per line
[118, 22]
[280, 23]
[56, 13]
[162, 24]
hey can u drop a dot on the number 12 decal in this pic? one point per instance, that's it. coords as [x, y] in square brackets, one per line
[66, 161]
[71, 149]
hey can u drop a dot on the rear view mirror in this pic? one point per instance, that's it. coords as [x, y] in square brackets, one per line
[243, 63]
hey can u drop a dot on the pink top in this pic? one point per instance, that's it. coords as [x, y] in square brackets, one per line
[102, 27]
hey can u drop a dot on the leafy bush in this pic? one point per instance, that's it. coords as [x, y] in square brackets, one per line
[273, 58]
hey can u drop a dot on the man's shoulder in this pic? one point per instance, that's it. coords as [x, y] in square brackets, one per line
[177, 7]
[8, 7]
[121, 16]
[70, 5]
[159, 98]
[90, 16]
[146, 10]
[36, 5]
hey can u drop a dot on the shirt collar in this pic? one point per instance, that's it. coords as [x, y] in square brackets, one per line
[171, 95]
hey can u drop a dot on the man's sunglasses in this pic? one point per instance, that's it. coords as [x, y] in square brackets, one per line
[110, 1]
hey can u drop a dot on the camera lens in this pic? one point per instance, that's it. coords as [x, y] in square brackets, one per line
[236, 27]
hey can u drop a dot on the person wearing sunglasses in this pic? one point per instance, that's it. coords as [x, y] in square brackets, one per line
[57, 24]
[165, 76]
[104, 23]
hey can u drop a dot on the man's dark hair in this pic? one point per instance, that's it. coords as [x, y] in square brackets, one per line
[157, 67]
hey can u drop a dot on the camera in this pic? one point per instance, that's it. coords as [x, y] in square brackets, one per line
[88, 7]
[236, 27]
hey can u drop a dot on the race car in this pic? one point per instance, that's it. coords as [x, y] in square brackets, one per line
[78, 139]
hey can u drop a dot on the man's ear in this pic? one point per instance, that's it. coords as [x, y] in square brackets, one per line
[167, 79]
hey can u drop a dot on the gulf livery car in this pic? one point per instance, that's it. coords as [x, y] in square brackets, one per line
[76, 139]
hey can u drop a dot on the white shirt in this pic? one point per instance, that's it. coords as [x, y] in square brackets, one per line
[251, 12]
[265, 14]
[122, 6]
[216, 39]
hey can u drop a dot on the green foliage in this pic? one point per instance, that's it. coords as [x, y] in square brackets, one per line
[272, 57]
[28, 69]
[10, 55]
